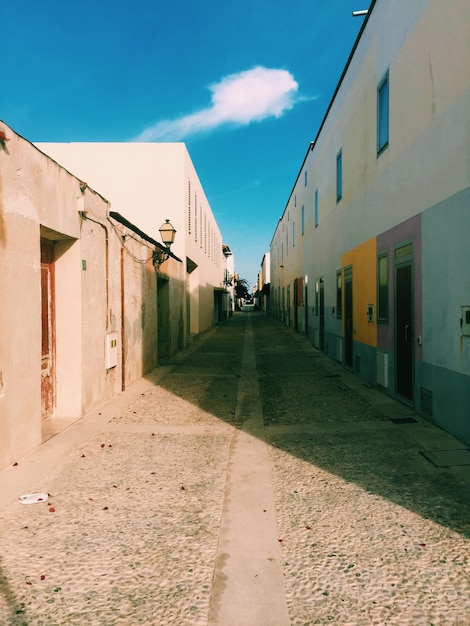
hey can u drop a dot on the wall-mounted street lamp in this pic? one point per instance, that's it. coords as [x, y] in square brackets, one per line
[360, 13]
[167, 233]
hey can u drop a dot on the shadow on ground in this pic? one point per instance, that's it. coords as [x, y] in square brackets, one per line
[312, 414]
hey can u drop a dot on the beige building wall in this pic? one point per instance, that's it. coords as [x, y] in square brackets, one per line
[110, 313]
[41, 200]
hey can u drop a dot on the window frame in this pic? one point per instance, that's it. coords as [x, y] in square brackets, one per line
[383, 114]
[339, 175]
[316, 208]
[339, 294]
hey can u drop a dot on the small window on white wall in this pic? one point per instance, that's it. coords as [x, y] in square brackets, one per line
[383, 115]
[339, 176]
[316, 208]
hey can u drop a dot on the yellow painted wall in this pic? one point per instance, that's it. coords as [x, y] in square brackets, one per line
[363, 260]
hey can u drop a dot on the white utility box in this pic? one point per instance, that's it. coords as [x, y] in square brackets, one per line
[111, 350]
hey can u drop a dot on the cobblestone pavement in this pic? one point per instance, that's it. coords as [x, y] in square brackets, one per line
[251, 481]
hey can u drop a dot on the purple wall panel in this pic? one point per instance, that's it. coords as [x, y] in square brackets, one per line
[410, 230]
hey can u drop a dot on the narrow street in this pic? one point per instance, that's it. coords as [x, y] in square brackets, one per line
[250, 481]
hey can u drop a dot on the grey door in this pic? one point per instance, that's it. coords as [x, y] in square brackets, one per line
[404, 330]
[348, 317]
[322, 314]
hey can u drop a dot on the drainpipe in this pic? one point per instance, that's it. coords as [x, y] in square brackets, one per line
[123, 328]
[85, 216]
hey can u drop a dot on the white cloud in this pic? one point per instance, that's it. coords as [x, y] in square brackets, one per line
[249, 96]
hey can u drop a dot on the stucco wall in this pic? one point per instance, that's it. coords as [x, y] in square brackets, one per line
[446, 283]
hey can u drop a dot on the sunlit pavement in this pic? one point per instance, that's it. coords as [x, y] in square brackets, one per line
[251, 481]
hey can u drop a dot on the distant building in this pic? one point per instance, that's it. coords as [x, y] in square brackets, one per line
[370, 255]
[264, 280]
[229, 282]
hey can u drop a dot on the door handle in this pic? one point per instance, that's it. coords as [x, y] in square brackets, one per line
[408, 334]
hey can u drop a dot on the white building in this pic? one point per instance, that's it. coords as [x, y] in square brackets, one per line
[370, 255]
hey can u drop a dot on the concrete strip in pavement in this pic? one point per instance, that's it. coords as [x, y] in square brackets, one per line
[248, 587]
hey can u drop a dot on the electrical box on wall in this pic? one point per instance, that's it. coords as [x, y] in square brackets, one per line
[465, 320]
[111, 350]
[370, 313]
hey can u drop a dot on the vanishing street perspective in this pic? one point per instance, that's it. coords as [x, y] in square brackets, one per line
[235, 325]
[250, 481]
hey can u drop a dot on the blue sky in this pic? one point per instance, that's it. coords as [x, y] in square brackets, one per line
[244, 84]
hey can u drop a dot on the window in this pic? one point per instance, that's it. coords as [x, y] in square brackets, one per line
[200, 226]
[189, 207]
[305, 178]
[205, 233]
[382, 115]
[293, 234]
[339, 176]
[303, 219]
[382, 288]
[316, 208]
[339, 294]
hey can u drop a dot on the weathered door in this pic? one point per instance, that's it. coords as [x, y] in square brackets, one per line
[48, 329]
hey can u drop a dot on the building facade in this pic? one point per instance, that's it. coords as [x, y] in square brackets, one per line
[264, 283]
[149, 183]
[369, 255]
[81, 314]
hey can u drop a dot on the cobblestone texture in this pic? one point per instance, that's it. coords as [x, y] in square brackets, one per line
[131, 540]
[371, 534]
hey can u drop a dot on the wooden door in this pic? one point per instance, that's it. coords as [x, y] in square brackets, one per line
[48, 329]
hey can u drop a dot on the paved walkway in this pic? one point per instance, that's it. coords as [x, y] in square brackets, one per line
[249, 482]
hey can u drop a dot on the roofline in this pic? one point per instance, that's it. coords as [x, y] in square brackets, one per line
[36, 147]
[333, 98]
[122, 220]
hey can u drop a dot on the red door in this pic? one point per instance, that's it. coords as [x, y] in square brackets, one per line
[48, 329]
